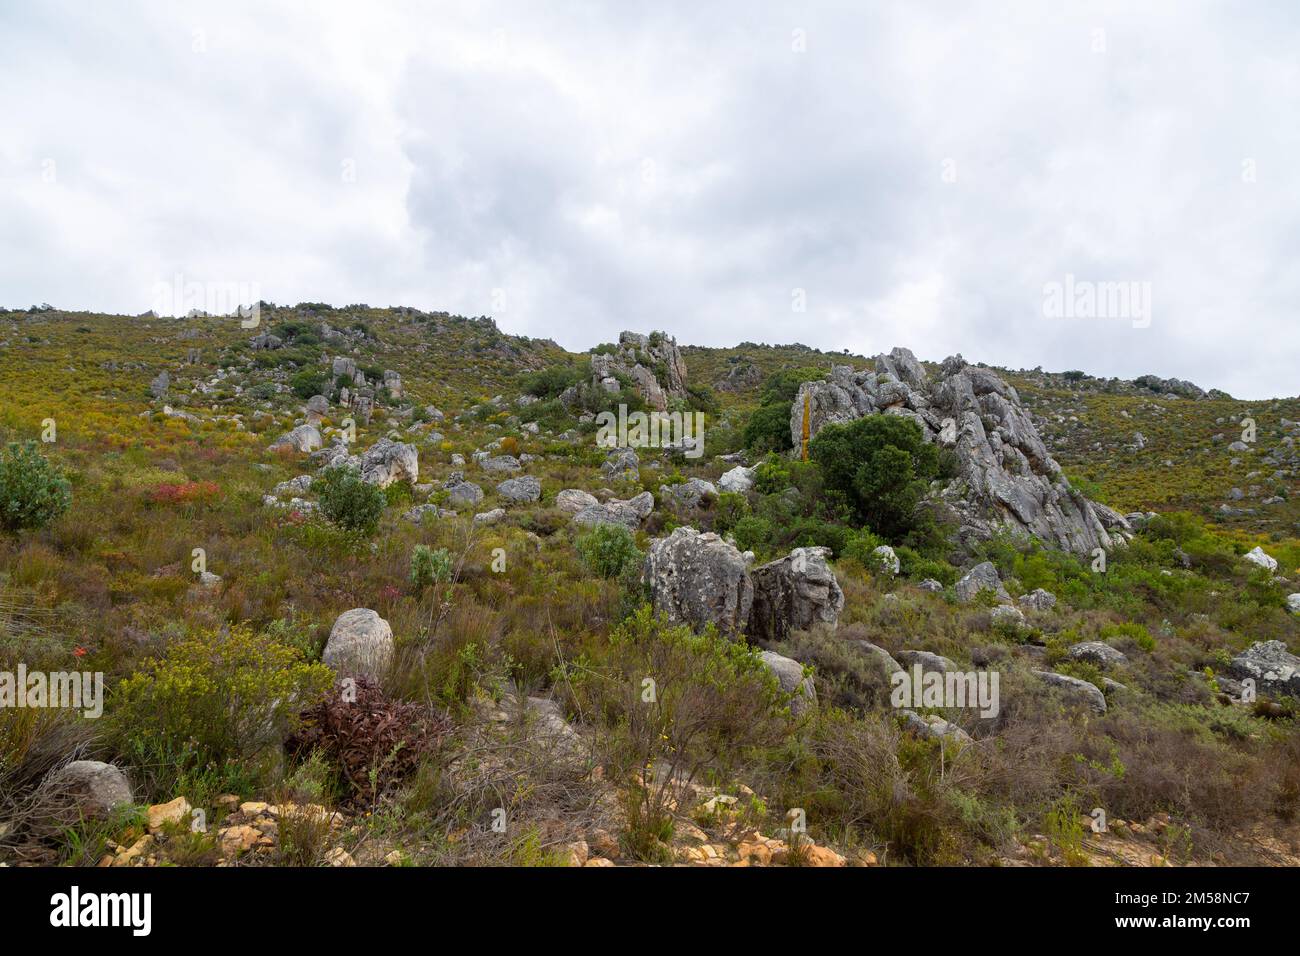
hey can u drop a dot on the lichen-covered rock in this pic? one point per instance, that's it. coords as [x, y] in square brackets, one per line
[574, 500]
[463, 494]
[1039, 599]
[1096, 652]
[699, 579]
[1078, 690]
[928, 660]
[360, 644]
[501, 464]
[1274, 669]
[794, 593]
[738, 480]
[688, 494]
[790, 676]
[520, 490]
[302, 438]
[886, 559]
[387, 461]
[1006, 477]
[982, 577]
[88, 787]
[622, 463]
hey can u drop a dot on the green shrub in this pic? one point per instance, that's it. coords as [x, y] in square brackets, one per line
[730, 508]
[751, 533]
[349, 502]
[608, 550]
[216, 697]
[33, 492]
[429, 566]
[309, 382]
[882, 464]
[768, 429]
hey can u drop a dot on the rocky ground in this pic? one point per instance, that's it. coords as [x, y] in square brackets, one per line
[208, 557]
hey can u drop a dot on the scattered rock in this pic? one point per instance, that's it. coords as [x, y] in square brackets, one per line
[1095, 652]
[520, 490]
[360, 644]
[1274, 669]
[94, 788]
[1079, 690]
[738, 480]
[982, 577]
[789, 674]
[1257, 556]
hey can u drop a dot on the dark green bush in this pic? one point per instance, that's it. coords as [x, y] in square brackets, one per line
[33, 492]
[349, 502]
[882, 464]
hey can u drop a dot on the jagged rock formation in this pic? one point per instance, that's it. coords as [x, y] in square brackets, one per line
[652, 362]
[1006, 477]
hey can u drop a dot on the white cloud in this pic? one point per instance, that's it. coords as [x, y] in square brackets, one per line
[919, 173]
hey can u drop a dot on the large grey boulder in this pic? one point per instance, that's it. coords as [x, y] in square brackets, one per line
[928, 660]
[1258, 557]
[688, 494]
[520, 490]
[982, 577]
[302, 438]
[878, 655]
[738, 480]
[1039, 599]
[1077, 690]
[1095, 652]
[360, 644]
[500, 464]
[1274, 669]
[463, 494]
[574, 500]
[699, 579]
[644, 359]
[1293, 603]
[794, 593]
[790, 676]
[628, 512]
[90, 787]
[388, 461]
[933, 727]
[1006, 480]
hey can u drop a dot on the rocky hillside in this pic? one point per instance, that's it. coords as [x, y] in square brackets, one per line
[367, 586]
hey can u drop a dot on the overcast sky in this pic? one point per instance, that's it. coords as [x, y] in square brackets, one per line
[914, 173]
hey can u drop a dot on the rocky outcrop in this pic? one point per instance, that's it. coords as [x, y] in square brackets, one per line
[360, 644]
[387, 461]
[688, 494]
[1274, 669]
[653, 364]
[738, 480]
[574, 500]
[699, 579]
[794, 593]
[1006, 477]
